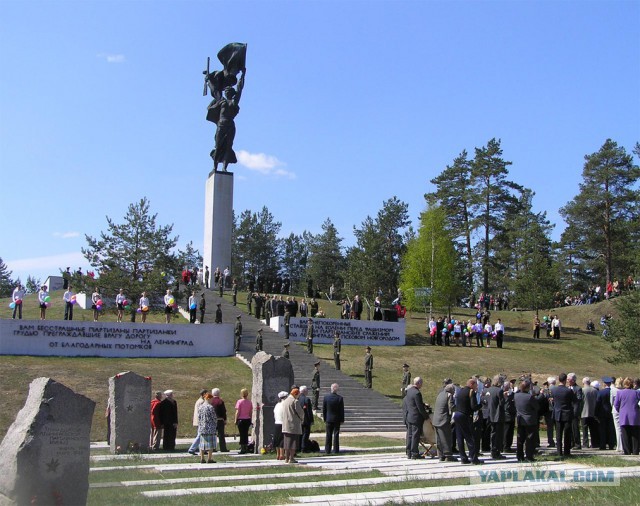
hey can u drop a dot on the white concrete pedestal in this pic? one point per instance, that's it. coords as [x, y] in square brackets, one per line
[218, 221]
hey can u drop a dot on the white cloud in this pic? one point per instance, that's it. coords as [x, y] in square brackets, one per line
[66, 235]
[112, 58]
[265, 164]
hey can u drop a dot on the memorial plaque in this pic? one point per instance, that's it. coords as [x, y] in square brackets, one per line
[130, 401]
[270, 376]
[45, 453]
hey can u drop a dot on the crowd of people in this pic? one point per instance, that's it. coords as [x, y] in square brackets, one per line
[482, 415]
[445, 331]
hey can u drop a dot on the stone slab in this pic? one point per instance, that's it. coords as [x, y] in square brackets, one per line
[130, 401]
[45, 453]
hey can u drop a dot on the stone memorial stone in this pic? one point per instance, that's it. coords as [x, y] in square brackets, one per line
[130, 401]
[45, 453]
[270, 376]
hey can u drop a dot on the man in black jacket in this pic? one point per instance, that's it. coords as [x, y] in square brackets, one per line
[563, 398]
[527, 417]
[495, 402]
[466, 405]
[414, 416]
[333, 416]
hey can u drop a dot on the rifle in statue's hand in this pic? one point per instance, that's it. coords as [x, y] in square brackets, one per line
[206, 78]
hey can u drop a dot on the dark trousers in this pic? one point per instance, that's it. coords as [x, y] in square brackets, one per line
[575, 433]
[17, 309]
[556, 332]
[482, 435]
[550, 423]
[525, 442]
[336, 360]
[464, 432]
[497, 437]
[304, 437]
[332, 438]
[202, 316]
[68, 311]
[243, 430]
[563, 437]
[413, 439]
[368, 378]
[169, 438]
[221, 436]
[444, 439]
[509, 429]
[192, 315]
[479, 340]
[630, 439]
[499, 338]
[607, 432]
[590, 431]
[316, 397]
[536, 333]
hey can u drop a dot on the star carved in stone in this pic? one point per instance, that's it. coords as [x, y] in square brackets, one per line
[129, 408]
[52, 466]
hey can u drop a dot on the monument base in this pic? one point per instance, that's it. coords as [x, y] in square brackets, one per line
[218, 221]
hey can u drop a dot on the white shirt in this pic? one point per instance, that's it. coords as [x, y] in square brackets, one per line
[277, 413]
[555, 322]
[95, 297]
[192, 300]
[42, 294]
[499, 327]
[167, 298]
[144, 302]
[18, 294]
[488, 329]
[67, 296]
[120, 298]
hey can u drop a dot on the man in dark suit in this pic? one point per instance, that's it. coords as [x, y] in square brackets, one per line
[604, 414]
[441, 420]
[578, 403]
[333, 416]
[563, 398]
[527, 417]
[495, 402]
[414, 416]
[466, 405]
[307, 421]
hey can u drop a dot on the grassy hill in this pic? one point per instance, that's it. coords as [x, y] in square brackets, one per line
[578, 351]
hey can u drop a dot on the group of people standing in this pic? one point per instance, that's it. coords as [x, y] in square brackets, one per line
[447, 331]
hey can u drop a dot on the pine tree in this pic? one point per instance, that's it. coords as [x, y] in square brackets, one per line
[326, 260]
[6, 283]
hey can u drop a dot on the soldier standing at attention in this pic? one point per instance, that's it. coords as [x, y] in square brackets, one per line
[259, 340]
[203, 307]
[309, 335]
[287, 321]
[315, 385]
[234, 292]
[249, 301]
[237, 333]
[337, 346]
[406, 379]
[368, 368]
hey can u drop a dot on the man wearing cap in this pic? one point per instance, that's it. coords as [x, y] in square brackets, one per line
[237, 333]
[194, 448]
[259, 340]
[309, 335]
[169, 420]
[315, 385]
[368, 368]
[337, 347]
[287, 322]
[441, 420]
[414, 416]
[406, 379]
[218, 314]
[156, 423]
[604, 414]
[333, 416]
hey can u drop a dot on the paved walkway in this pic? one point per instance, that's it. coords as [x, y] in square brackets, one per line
[365, 409]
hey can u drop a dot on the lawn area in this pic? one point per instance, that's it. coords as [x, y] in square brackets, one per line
[578, 351]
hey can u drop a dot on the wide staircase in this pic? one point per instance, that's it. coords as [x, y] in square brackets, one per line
[365, 409]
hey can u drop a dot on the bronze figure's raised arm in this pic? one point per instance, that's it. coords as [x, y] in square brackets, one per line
[225, 104]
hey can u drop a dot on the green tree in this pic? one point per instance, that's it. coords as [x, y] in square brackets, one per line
[135, 255]
[294, 254]
[604, 216]
[493, 194]
[375, 261]
[33, 284]
[255, 245]
[430, 263]
[6, 283]
[622, 330]
[455, 193]
[326, 261]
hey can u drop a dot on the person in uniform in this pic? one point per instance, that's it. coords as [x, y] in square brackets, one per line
[337, 347]
[218, 314]
[285, 352]
[368, 368]
[237, 333]
[249, 301]
[309, 335]
[315, 385]
[234, 292]
[287, 321]
[259, 340]
[203, 306]
[406, 379]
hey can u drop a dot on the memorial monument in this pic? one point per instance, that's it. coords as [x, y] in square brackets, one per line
[130, 401]
[45, 453]
[226, 90]
[270, 376]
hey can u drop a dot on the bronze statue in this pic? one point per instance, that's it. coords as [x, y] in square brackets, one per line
[224, 107]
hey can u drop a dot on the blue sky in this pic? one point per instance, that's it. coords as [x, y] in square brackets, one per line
[346, 104]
